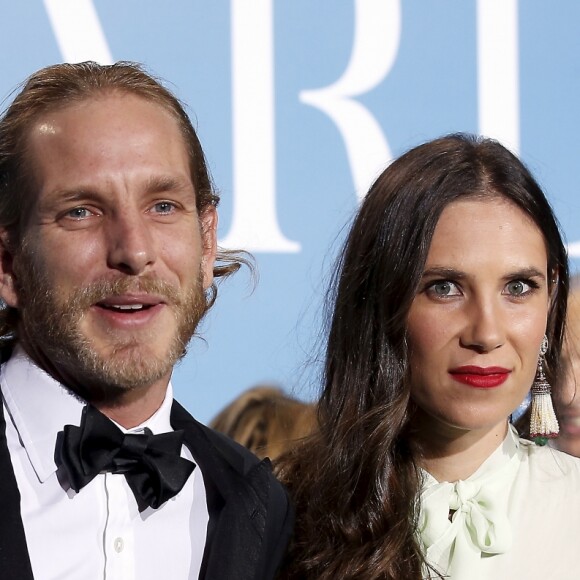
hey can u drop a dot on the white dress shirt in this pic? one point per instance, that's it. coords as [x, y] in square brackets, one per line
[99, 532]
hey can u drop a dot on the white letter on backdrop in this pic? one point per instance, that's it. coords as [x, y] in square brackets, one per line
[574, 249]
[498, 71]
[254, 220]
[376, 41]
[78, 31]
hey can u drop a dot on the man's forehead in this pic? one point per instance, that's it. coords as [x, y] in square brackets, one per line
[46, 128]
[114, 133]
[104, 114]
[101, 102]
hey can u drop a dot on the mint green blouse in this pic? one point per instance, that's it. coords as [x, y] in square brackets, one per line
[517, 516]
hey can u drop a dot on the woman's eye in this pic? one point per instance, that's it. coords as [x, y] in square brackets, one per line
[444, 288]
[517, 288]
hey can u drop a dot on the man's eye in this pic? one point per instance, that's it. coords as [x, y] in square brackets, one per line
[79, 213]
[517, 288]
[164, 207]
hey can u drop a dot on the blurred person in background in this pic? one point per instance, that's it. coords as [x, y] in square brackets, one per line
[266, 421]
[568, 400]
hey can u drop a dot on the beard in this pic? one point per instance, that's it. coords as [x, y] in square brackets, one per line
[50, 329]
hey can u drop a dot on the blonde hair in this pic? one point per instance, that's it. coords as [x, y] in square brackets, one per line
[266, 420]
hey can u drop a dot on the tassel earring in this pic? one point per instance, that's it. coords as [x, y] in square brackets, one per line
[543, 422]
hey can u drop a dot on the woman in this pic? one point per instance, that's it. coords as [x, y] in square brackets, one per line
[452, 275]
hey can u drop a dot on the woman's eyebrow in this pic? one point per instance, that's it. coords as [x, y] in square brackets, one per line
[444, 272]
[453, 273]
[528, 272]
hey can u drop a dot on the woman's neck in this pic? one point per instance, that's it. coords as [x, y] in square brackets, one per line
[450, 453]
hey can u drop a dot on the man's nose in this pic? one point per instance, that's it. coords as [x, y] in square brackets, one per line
[131, 247]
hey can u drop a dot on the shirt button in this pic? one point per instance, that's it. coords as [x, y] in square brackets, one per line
[119, 545]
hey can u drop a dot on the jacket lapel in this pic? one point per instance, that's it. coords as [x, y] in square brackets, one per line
[14, 559]
[238, 491]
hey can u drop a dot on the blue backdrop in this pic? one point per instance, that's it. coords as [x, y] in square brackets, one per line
[299, 105]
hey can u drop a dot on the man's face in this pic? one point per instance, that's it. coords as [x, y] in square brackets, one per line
[110, 272]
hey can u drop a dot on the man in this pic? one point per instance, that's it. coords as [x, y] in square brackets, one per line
[107, 264]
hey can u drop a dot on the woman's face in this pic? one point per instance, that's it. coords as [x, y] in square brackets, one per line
[477, 322]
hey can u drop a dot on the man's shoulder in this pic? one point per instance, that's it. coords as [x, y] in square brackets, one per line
[208, 442]
[235, 454]
[231, 467]
[257, 514]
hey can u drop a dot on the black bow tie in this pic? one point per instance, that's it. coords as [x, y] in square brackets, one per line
[152, 464]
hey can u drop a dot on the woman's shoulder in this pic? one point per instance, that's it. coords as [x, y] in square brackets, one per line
[545, 497]
[548, 462]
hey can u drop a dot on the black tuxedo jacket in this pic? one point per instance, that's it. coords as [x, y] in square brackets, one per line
[250, 515]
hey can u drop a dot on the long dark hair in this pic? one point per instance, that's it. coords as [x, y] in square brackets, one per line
[356, 481]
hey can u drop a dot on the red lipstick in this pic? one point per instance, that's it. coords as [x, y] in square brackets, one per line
[480, 377]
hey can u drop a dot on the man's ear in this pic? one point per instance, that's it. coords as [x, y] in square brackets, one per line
[208, 224]
[7, 279]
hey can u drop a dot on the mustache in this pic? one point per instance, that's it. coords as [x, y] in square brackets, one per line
[99, 290]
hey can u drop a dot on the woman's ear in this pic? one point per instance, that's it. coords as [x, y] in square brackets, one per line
[7, 280]
[553, 279]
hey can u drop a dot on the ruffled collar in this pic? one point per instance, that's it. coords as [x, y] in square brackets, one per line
[464, 521]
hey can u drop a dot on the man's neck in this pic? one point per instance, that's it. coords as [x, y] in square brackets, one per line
[129, 407]
[137, 406]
